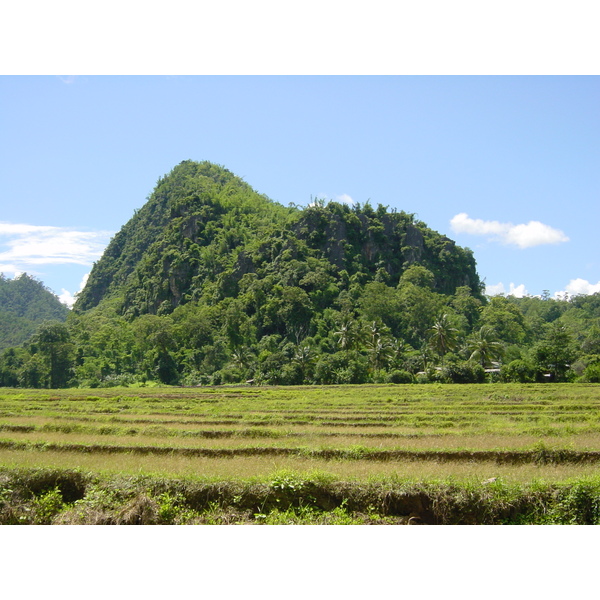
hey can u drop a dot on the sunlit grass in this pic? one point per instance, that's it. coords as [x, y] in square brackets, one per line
[249, 467]
[243, 438]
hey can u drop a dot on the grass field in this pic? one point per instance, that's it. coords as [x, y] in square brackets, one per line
[335, 454]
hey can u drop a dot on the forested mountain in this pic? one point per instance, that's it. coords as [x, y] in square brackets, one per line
[25, 303]
[197, 215]
[211, 282]
[204, 229]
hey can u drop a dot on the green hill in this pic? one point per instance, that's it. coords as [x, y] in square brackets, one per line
[25, 303]
[213, 282]
[203, 230]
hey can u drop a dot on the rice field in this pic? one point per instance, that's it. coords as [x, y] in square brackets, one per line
[466, 435]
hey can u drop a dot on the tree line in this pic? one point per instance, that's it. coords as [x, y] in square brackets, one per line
[371, 333]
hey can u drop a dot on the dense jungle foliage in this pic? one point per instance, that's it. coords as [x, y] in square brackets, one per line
[24, 304]
[211, 282]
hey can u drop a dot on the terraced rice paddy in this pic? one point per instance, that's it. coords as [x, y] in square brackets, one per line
[518, 434]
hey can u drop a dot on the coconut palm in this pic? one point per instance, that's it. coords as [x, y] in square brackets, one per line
[425, 355]
[398, 347]
[348, 334]
[378, 345]
[484, 346]
[381, 352]
[241, 357]
[304, 358]
[443, 336]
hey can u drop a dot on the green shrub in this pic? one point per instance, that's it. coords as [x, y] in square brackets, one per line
[578, 504]
[172, 509]
[400, 376]
[464, 372]
[433, 375]
[346, 367]
[291, 374]
[47, 506]
[591, 374]
[518, 371]
[232, 374]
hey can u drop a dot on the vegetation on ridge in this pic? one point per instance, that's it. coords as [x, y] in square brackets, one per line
[74, 497]
[24, 304]
[211, 282]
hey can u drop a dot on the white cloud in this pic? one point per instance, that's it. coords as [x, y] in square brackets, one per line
[22, 246]
[523, 235]
[518, 291]
[495, 290]
[69, 299]
[462, 223]
[10, 269]
[345, 198]
[575, 287]
[582, 286]
[578, 287]
[534, 234]
[22, 229]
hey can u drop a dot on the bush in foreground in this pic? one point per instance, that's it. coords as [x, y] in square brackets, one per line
[53, 496]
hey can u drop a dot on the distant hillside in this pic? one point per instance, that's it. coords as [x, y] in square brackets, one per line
[25, 303]
[203, 230]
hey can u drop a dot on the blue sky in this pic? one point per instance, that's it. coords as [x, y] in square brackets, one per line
[505, 165]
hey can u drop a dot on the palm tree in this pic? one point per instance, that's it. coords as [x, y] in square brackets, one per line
[304, 357]
[398, 348]
[381, 352]
[484, 346]
[443, 336]
[378, 345]
[425, 355]
[241, 357]
[348, 336]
